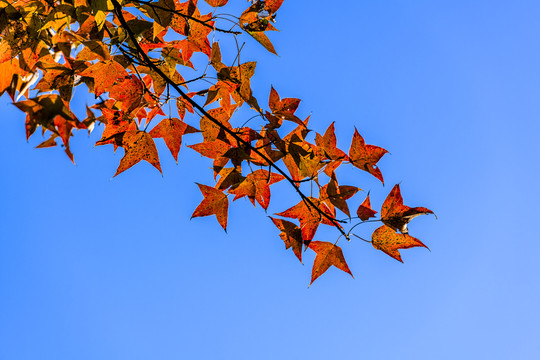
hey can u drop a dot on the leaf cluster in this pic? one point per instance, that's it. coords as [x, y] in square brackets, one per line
[135, 56]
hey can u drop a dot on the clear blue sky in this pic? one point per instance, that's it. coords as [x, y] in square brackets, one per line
[98, 268]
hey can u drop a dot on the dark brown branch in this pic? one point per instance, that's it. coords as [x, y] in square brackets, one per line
[118, 11]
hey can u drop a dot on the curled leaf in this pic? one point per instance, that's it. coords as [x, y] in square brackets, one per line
[396, 215]
[388, 241]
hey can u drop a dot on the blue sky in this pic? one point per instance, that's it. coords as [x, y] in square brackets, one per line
[95, 267]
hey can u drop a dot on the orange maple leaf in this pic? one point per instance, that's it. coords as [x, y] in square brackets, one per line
[387, 240]
[215, 202]
[217, 3]
[228, 177]
[291, 236]
[365, 211]
[128, 92]
[396, 215]
[308, 216]
[50, 112]
[258, 18]
[138, 145]
[211, 149]
[328, 254]
[106, 74]
[337, 195]
[256, 186]
[172, 130]
[365, 157]
[327, 143]
[284, 108]
[116, 122]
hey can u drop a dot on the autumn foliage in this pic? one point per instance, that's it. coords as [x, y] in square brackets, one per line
[137, 58]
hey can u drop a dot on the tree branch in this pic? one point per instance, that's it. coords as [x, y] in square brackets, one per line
[118, 11]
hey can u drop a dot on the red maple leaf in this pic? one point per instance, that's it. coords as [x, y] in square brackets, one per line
[387, 240]
[106, 74]
[396, 215]
[138, 145]
[284, 108]
[308, 216]
[327, 144]
[256, 186]
[365, 211]
[128, 92]
[50, 112]
[291, 236]
[217, 3]
[328, 254]
[365, 157]
[172, 130]
[215, 202]
[337, 195]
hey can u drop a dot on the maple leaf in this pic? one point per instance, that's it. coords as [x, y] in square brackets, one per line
[93, 50]
[128, 92]
[326, 148]
[215, 202]
[308, 216]
[182, 105]
[238, 78]
[387, 240]
[365, 157]
[291, 236]
[229, 177]
[327, 143]
[8, 69]
[264, 145]
[212, 131]
[273, 5]
[162, 12]
[263, 40]
[50, 142]
[301, 158]
[172, 130]
[138, 145]
[106, 74]
[396, 215]
[337, 195]
[284, 108]
[196, 31]
[254, 22]
[211, 149]
[328, 254]
[301, 162]
[256, 186]
[50, 112]
[56, 77]
[365, 211]
[116, 122]
[216, 3]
